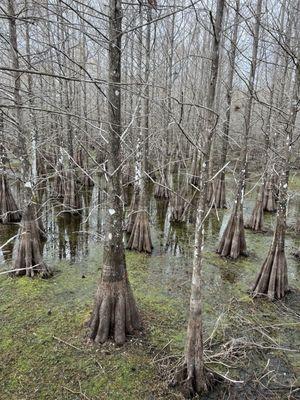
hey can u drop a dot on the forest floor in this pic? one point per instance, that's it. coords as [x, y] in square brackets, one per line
[44, 354]
[254, 344]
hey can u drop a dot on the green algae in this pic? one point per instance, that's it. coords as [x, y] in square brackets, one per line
[43, 349]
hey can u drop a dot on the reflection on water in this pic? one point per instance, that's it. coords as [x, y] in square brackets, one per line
[68, 235]
[161, 223]
[179, 239]
[71, 237]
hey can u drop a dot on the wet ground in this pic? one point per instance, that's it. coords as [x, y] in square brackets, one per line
[256, 342]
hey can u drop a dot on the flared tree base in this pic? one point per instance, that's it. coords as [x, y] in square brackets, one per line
[218, 197]
[272, 279]
[9, 212]
[256, 222]
[115, 314]
[140, 238]
[233, 243]
[189, 384]
[178, 210]
[29, 260]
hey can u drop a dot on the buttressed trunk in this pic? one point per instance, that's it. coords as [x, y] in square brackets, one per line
[140, 237]
[29, 260]
[115, 313]
[256, 222]
[272, 279]
[233, 243]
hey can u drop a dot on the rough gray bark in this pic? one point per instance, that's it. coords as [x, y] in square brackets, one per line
[272, 279]
[193, 374]
[140, 237]
[115, 314]
[219, 192]
[233, 242]
[29, 258]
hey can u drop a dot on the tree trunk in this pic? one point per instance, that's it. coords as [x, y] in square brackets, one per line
[30, 249]
[233, 243]
[257, 218]
[193, 374]
[29, 260]
[115, 313]
[269, 203]
[272, 280]
[140, 238]
[219, 193]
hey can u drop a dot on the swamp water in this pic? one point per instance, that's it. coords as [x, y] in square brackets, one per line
[257, 341]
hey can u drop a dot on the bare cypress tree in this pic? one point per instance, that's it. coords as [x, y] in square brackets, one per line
[266, 199]
[140, 237]
[29, 259]
[161, 189]
[272, 279]
[219, 199]
[115, 313]
[193, 375]
[233, 243]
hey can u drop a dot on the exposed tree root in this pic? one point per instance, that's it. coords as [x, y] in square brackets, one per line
[140, 238]
[9, 212]
[272, 278]
[29, 260]
[191, 375]
[115, 314]
[233, 243]
[188, 384]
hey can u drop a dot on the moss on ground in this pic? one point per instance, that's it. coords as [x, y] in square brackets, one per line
[43, 349]
[44, 354]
